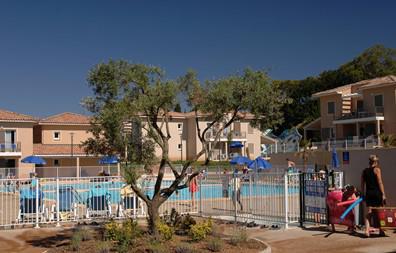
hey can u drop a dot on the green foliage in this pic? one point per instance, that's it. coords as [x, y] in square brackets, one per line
[165, 231]
[201, 230]
[125, 234]
[103, 247]
[112, 230]
[388, 140]
[215, 244]
[157, 247]
[376, 61]
[238, 237]
[85, 233]
[177, 107]
[252, 92]
[75, 243]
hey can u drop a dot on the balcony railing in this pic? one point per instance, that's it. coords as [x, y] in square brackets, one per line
[359, 115]
[225, 135]
[358, 143]
[10, 147]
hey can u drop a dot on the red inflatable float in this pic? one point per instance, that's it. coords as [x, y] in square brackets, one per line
[337, 207]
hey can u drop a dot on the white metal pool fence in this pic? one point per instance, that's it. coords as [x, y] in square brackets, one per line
[261, 197]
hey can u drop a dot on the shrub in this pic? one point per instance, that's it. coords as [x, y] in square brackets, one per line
[75, 242]
[201, 230]
[86, 234]
[112, 230]
[239, 236]
[156, 247]
[184, 249]
[103, 247]
[123, 246]
[131, 228]
[215, 244]
[165, 231]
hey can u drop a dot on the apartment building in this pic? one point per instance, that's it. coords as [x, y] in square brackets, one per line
[58, 139]
[16, 140]
[185, 144]
[359, 110]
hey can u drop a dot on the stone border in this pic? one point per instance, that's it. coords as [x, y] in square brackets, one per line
[268, 247]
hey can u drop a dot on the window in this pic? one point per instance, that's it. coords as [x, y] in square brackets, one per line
[250, 129]
[359, 106]
[327, 133]
[330, 107]
[56, 136]
[179, 146]
[56, 162]
[379, 100]
[180, 127]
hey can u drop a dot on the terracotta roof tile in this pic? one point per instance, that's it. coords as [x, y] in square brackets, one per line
[13, 116]
[369, 83]
[57, 149]
[67, 118]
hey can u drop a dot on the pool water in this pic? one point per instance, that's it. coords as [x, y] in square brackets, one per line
[82, 191]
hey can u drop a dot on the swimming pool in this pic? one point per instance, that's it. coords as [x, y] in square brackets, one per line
[209, 190]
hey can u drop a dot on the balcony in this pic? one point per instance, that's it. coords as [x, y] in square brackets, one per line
[234, 135]
[10, 148]
[361, 116]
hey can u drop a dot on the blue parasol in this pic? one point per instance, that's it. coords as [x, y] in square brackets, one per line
[236, 144]
[335, 163]
[241, 160]
[34, 159]
[108, 160]
[259, 163]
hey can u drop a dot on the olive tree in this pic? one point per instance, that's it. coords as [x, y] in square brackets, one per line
[131, 106]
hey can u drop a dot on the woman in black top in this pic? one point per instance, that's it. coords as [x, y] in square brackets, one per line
[374, 188]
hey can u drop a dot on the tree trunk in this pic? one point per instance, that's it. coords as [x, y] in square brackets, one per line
[153, 212]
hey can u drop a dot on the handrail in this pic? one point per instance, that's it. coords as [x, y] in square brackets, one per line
[10, 147]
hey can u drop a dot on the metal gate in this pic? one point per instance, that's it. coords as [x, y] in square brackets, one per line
[314, 188]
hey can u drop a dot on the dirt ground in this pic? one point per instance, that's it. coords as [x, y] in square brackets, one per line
[312, 239]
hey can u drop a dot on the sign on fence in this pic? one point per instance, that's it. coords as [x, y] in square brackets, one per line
[315, 196]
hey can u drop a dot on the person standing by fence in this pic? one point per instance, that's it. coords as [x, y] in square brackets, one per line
[235, 184]
[193, 188]
[372, 185]
[290, 165]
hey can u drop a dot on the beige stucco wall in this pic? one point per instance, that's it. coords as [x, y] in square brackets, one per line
[252, 138]
[24, 135]
[389, 93]
[177, 138]
[327, 119]
[80, 134]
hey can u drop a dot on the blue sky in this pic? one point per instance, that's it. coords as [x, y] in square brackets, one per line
[48, 47]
